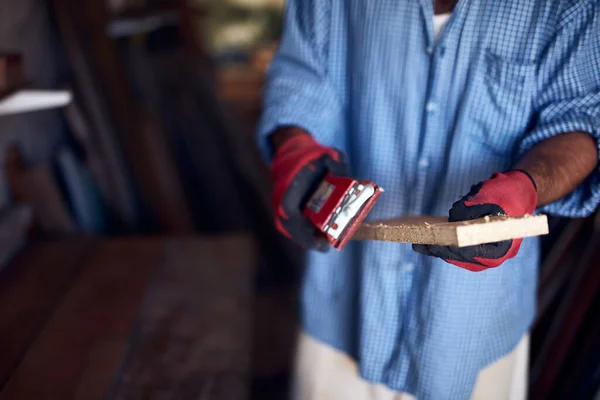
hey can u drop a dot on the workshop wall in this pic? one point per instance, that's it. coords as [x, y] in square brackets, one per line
[25, 28]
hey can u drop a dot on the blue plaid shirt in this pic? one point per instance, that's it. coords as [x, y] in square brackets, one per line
[426, 121]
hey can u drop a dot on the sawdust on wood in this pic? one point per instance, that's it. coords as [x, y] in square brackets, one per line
[437, 230]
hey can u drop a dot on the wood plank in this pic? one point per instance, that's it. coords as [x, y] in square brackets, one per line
[436, 230]
[95, 156]
[15, 222]
[173, 212]
[104, 130]
[95, 317]
[30, 287]
[194, 336]
[203, 138]
[82, 193]
[11, 72]
[211, 185]
[95, 378]
[14, 165]
[45, 198]
[84, 26]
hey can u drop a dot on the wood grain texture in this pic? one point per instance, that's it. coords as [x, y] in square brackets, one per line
[436, 230]
[30, 287]
[193, 338]
[129, 318]
[92, 322]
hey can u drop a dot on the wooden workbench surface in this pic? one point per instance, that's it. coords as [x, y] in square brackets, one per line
[128, 318]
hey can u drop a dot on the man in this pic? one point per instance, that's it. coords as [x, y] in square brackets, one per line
[506, 94]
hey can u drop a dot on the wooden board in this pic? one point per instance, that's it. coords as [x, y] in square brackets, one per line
[30, 287]
[45, 198]
[128, 318]
[436, 230]
[142, 140]
[193, 339]
[11, 72]
[80, 347]
[15, 222]
[95, 157]
[235, 195]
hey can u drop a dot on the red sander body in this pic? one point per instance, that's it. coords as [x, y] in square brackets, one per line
[339, 206]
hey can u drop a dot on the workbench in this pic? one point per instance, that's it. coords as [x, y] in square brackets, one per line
[128, 318]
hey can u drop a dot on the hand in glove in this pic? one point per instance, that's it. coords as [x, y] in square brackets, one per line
[299, 165]
[512, 193]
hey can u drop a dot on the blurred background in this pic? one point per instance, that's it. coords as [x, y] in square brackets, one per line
[137, 248]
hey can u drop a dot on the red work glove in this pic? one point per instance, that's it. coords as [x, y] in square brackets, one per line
[299, 166]
[512, 193]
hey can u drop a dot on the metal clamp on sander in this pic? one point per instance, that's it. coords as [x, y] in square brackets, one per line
[339, 206]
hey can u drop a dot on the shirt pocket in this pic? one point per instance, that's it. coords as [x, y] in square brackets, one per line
[501, 107]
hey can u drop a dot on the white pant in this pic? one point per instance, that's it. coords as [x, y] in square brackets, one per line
[323, 373]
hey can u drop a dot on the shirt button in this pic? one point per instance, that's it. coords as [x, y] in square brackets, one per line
[410, 267]
[429, 50]
[423, 163]
[431, 107]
